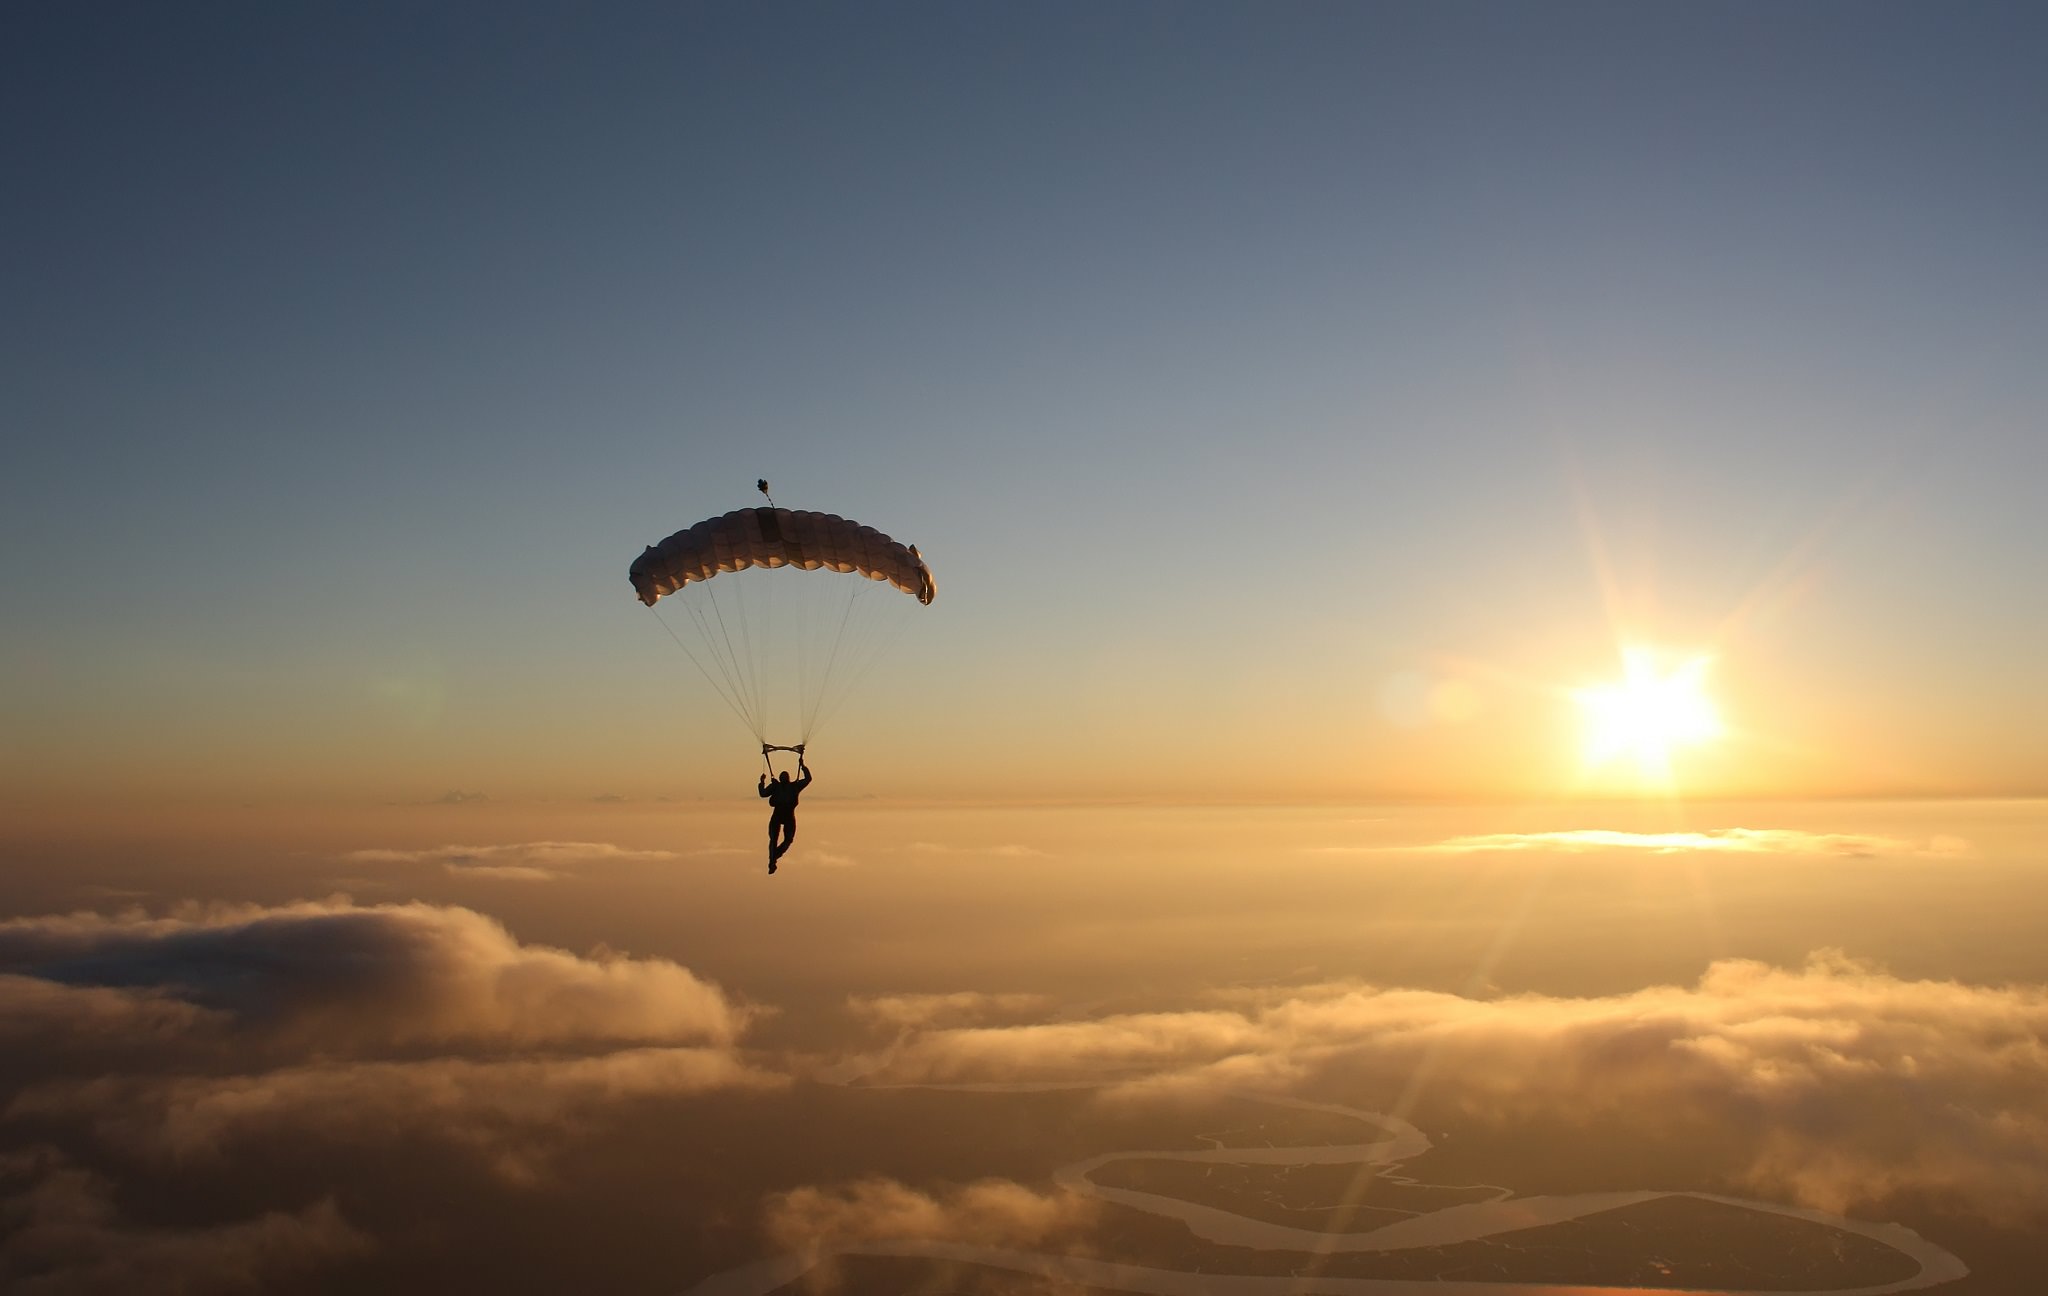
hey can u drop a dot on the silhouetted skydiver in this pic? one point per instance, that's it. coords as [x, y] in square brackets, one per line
[782, 796]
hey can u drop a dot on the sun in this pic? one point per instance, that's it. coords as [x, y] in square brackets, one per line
[1648, 714]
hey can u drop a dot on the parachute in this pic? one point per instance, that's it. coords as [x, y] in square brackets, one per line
[777, 537]
[782, 648]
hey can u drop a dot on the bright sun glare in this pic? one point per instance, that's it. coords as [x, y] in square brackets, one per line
[1648, 713]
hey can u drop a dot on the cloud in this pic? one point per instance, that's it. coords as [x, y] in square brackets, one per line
[1778, 841]
[493, 1107]
[505, 872]
[456, 796]
[1834, 1084]
[68, 1237]
[904, 1011]
[989, 1212]
[535, 861]
[48, 1015]
[1125, 1045]
[1007, 850]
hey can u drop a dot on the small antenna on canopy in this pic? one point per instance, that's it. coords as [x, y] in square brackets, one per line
[762, 486]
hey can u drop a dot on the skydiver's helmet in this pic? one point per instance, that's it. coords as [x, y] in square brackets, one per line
[784, 776]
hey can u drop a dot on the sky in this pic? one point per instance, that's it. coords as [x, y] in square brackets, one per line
[1249, 376]
[1481, 713]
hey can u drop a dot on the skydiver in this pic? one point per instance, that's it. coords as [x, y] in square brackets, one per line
[782, 796]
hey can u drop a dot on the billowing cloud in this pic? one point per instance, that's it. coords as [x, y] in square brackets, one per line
[1773, 841]
[67, 1236]
[989, 1212]
[207, 1038]
[360, 980]
[1835, 1083]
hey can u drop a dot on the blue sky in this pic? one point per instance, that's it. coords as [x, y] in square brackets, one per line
[1236, 355]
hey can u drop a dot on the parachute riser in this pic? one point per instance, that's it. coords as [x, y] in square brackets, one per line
[766, 748]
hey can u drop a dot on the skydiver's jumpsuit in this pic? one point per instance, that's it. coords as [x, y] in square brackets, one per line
[782, 797]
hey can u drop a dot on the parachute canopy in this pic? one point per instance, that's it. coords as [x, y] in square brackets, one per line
[783, 651]
[777, 537]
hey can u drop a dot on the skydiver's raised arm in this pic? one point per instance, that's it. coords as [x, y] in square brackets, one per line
[763, 788]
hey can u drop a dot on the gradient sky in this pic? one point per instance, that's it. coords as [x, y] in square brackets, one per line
[1241, 370]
